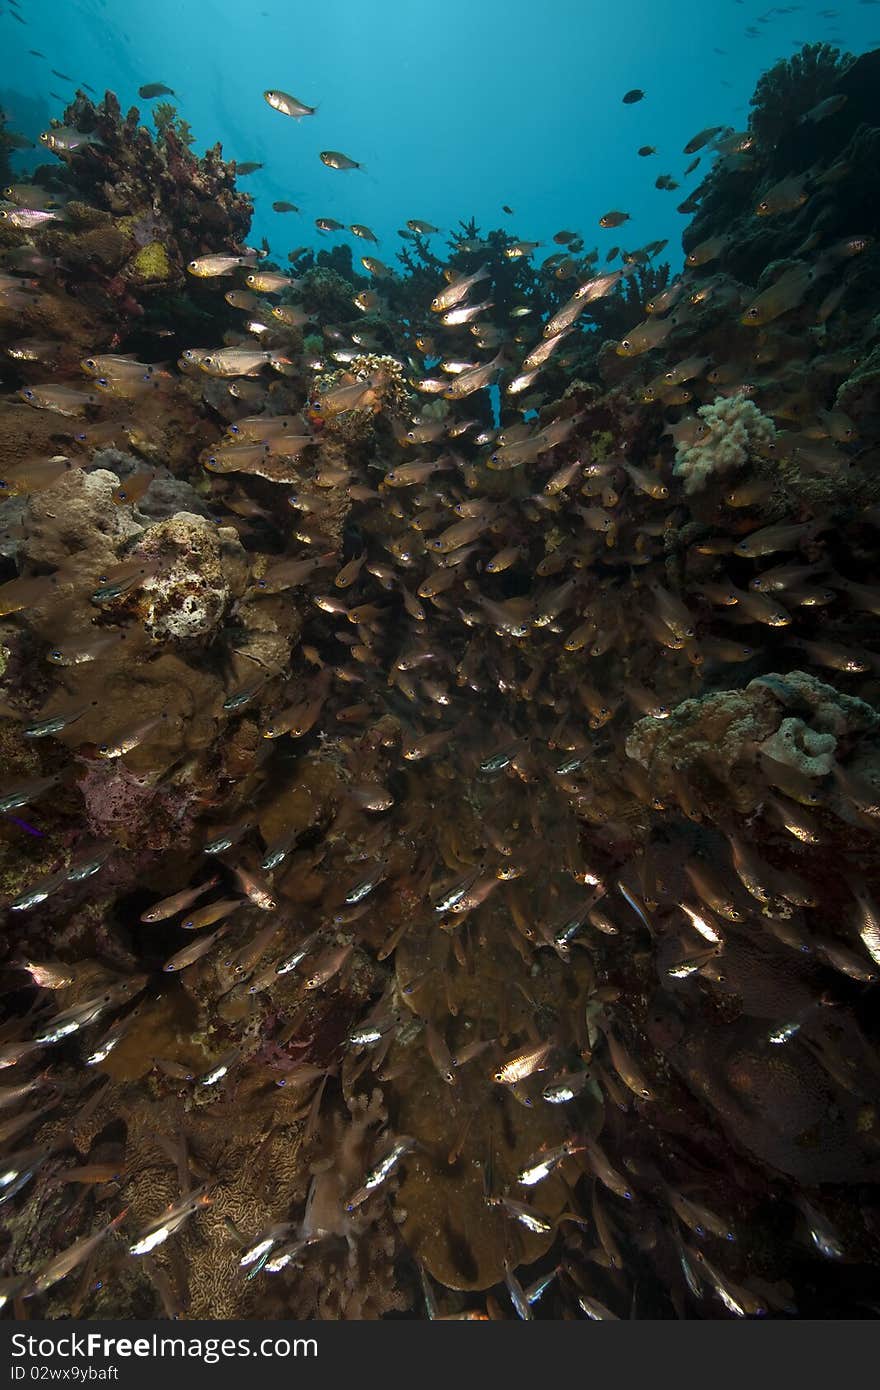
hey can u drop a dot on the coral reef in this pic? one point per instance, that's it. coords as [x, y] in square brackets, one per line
[440, 732]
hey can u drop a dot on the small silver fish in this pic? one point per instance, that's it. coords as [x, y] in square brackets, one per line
[158, 1231]
[381, 1171]
[287, 104]
[59, 1267]
[543, 1165]
[520, 1211]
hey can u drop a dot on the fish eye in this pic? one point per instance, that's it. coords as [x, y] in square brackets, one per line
[498, 1076]
[28, 394]
[625, 343]
[56, 655]
[752, 314]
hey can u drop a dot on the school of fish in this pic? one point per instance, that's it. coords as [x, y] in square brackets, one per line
[440, 841]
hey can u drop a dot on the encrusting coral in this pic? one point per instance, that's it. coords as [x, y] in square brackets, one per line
[715, 741]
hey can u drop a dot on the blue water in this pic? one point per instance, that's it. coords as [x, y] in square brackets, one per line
[455, 108]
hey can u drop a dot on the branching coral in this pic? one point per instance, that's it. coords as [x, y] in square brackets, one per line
[792, 87]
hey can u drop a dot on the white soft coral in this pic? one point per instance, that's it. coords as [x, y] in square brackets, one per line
[736, 430]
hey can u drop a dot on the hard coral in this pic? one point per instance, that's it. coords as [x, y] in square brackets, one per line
[716, 739]
[390, 392]
[160, 197]
[202, 567]
[712, 737]
[323, 290]
[792, 87]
